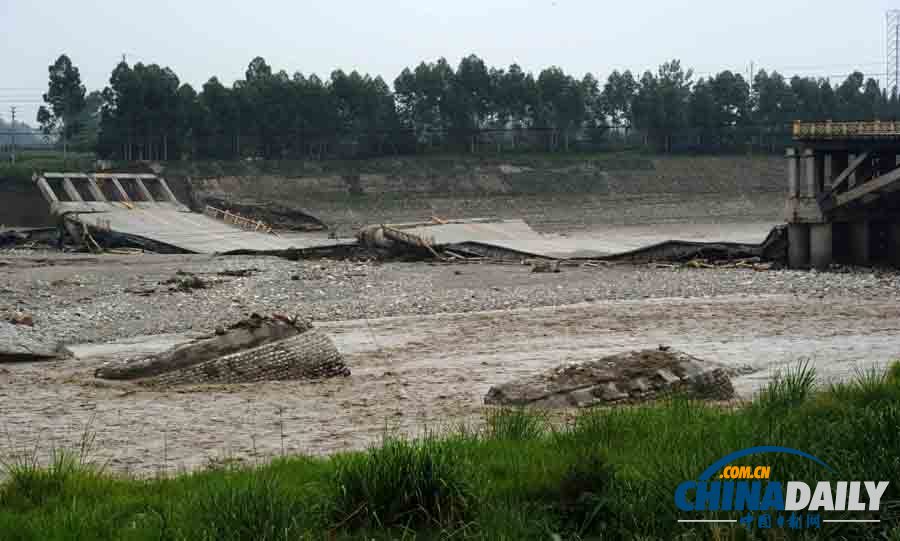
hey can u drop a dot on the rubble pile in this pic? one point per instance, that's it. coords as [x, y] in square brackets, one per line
[626, 378]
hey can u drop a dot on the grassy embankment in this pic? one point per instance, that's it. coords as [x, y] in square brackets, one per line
[610, 474]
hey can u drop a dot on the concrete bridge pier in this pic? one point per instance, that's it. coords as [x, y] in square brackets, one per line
[811, 245]
[810, 236]
[894, 243]
[860, 243]
[798, 246]
[821, 246]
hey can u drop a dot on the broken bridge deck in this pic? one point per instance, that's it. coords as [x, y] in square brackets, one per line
[142, 206]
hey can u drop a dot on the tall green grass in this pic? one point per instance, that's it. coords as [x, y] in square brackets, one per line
[608, 474]
[403, 483]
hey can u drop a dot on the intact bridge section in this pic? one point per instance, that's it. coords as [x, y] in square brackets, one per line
[844, 194]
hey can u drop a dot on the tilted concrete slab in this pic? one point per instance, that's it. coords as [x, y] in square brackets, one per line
[133, 347]
[188, 231]
[160, 221]
[509, 235]
[518, 236]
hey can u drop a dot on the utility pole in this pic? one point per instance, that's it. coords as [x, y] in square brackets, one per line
[12, 110]
[892, 40]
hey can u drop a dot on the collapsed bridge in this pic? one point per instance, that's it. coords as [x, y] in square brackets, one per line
[141, 210]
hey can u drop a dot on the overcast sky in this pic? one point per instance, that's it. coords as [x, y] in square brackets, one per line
[202, 38]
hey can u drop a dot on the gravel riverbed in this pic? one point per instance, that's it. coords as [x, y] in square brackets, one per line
[77, 299]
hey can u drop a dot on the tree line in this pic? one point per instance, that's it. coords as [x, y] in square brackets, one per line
[146, 112]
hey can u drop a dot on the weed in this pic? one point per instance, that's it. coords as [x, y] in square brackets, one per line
[515, 424]
[789, 388]
[402, 483]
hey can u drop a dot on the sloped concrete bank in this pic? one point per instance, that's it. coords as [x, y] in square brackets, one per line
[563, 194]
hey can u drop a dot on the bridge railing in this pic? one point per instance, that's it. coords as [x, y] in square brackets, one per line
[846, 130]
[236, 219]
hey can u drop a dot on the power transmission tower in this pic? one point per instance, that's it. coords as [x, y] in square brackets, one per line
[12, 110]
[893, 51]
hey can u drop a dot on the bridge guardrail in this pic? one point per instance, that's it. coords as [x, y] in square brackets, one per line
[236, 219]
[846, 130]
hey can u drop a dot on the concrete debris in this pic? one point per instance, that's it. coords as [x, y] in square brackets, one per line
[275, 348]
[239, 273]
[626, 378]
[545, 266]
[773, 248]
[185, 282]
[20, 318]
[12, 238]
[514, 239]
[21, 344]
[29, 238]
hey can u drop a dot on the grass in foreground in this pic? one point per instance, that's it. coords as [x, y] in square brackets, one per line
[610, 474]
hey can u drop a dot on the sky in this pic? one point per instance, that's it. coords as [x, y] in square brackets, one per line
[202, 38]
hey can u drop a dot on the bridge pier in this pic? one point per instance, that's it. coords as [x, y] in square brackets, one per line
[793, 170]
[894, 243]
[821, 246]
[798, 246]
[860, 242]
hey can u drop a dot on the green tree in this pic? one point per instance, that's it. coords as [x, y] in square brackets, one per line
[89, 123]
[139, 119]
[619, 94]
[65, 99]
[425, 100]
[562, 106]
[215, 137]
[773, 99]
[472, 95]
[662, 104]
[516, 97]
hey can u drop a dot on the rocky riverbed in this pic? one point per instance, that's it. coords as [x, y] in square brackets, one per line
[424, 342]
[76, 299]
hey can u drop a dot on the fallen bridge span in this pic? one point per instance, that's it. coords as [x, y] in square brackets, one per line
[141, 210]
